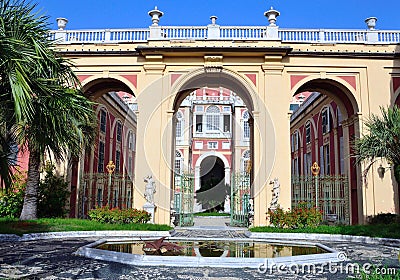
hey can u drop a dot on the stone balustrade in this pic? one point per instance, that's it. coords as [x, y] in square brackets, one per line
[332, 36]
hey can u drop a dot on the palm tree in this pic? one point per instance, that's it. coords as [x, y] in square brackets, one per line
[62, 126]
[382, 140]
[37, 94]
[22, 44]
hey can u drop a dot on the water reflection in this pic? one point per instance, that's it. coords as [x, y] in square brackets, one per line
[231, 249]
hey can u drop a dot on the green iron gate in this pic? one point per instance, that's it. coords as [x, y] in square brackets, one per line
[184, 199]
[96, 191]
[240, 198]
[330, 193]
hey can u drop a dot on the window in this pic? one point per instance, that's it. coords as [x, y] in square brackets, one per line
[339, 117]
[178, 163]
[103, 121]
[295, 141]
[326, 160]
[99, 197]
[198, 145]
[341, 151]
[119, 131]
[325, 121]
[100, 164]
[226, 145]
[115, 198]
[179, 120]
[212, 118]
[227, 109]
[212, 145]
[307, 164]
[131, 141]
[308, 132]
[199, 123]
[295, 166]
[227, 123]
[130, 171]
[117, 161]
[128, 202]
[246, 126]
[199, 108]
[246, 165]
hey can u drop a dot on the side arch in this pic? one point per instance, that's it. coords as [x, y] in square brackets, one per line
[96, 86]
[343, 95]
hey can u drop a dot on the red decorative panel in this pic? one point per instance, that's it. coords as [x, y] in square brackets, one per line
[396, 83]
[132, 79]
[294, 79]
[253, 78]
[174, 77]
[83, 77]
[350, 79]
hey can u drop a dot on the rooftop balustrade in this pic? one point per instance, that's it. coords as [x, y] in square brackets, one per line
[213, 31]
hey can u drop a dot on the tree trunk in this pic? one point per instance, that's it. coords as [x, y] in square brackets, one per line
[29, 209]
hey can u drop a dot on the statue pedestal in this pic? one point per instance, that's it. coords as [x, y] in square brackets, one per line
[148, 207]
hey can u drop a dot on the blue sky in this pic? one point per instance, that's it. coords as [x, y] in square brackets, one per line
[341, 14]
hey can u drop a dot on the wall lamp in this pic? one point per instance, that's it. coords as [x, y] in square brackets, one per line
[381, 171]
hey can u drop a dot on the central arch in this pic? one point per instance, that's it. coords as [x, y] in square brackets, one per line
[261, 140]
[223, 77]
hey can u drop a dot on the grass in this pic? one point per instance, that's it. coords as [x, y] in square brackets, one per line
[212, 214]
[14, 226]
[376, 230]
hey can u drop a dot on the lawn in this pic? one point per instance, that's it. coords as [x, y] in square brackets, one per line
[14, 226]
[376, 230]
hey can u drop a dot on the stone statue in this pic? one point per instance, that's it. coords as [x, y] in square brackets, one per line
[227, 204]
[150, 189]
[275, 194]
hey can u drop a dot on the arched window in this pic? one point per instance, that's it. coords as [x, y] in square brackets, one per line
[308, 132]
[131, 141]
[326, 120]
[246, 165]
[119, 131]
[213, 118]
[246, 126]
[103, 121]
[178, 168]
[179, 124]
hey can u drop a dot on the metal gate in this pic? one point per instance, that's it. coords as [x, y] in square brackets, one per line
[184, 199]
[103, 190]
[240, 198]
[329, 193]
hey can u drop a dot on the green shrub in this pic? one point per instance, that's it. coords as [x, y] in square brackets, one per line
[384, 218]
[12, 200]
[118, 216]
[52, 194]
[301, 216]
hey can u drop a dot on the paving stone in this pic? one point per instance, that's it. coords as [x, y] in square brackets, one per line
[54, 259]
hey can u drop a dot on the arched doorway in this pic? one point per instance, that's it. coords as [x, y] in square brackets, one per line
[324, 124]
[213, 189]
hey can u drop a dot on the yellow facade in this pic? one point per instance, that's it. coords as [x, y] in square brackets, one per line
[265, 74]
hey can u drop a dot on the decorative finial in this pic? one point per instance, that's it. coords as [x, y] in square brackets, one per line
[61, 23]
[371, 22]
[213, 19]
[155, 16]
[272, 14]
